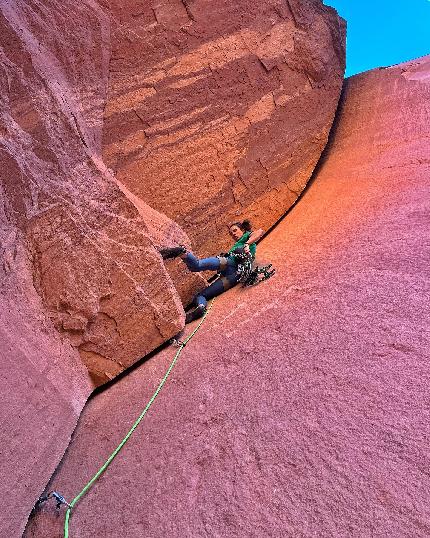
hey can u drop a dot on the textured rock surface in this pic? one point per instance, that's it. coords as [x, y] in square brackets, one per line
[301, 408]
[220, 110]
[91, 242]
[43, 386]
[75, 247]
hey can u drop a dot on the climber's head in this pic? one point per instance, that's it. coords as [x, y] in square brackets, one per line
[237, 229]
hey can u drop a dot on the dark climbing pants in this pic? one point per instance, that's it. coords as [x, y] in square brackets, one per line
[227, 269]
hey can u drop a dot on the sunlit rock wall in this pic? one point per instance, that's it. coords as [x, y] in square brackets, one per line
[220, 110]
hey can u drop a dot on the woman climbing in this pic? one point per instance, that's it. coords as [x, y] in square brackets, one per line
[230, 266]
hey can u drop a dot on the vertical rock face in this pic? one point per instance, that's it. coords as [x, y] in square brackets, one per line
[43, 386]
[91, 243]
[83, 293]
[301, 407]
[217, 111]
[383, 124]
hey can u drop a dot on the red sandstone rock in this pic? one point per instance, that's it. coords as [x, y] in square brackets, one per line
[76, 248]
[217, 111]
[301, 406]
[43, 385]
[91, 242]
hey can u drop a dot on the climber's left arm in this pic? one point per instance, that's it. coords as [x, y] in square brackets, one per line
[255, 236]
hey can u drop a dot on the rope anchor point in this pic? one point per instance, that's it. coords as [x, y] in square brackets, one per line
[59, 499]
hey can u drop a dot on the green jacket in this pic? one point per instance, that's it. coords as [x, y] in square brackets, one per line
[242, 241]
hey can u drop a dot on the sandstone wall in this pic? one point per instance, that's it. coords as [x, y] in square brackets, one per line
[83, 293]
[102, 283]
[220, 110]
[301, 407]
[43, 384]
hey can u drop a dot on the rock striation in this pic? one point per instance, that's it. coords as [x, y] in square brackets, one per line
[220, 111]
[301, 406]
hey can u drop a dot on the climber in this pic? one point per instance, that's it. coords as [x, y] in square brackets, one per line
[230, 266]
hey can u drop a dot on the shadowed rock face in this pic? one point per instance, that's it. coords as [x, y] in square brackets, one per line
[93, 262]
[83, 293]
[218, 111]
[301, 406]
[43, 385]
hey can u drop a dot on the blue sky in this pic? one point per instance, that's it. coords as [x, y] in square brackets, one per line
[382, 32]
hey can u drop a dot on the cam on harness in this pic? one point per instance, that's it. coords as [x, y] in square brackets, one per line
[249, 274]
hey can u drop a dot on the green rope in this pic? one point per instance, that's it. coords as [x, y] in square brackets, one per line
[135, 425]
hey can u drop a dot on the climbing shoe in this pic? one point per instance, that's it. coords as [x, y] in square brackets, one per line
[195, 314]
[174, 252]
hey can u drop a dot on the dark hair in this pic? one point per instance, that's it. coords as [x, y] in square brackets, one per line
[245, 225]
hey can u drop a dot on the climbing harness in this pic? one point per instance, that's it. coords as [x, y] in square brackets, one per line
[244, 262]
[248, 274]
[258, 274]
[70, 506]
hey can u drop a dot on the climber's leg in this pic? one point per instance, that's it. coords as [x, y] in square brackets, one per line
[217, 287]
[214, 263]
[205, 264]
